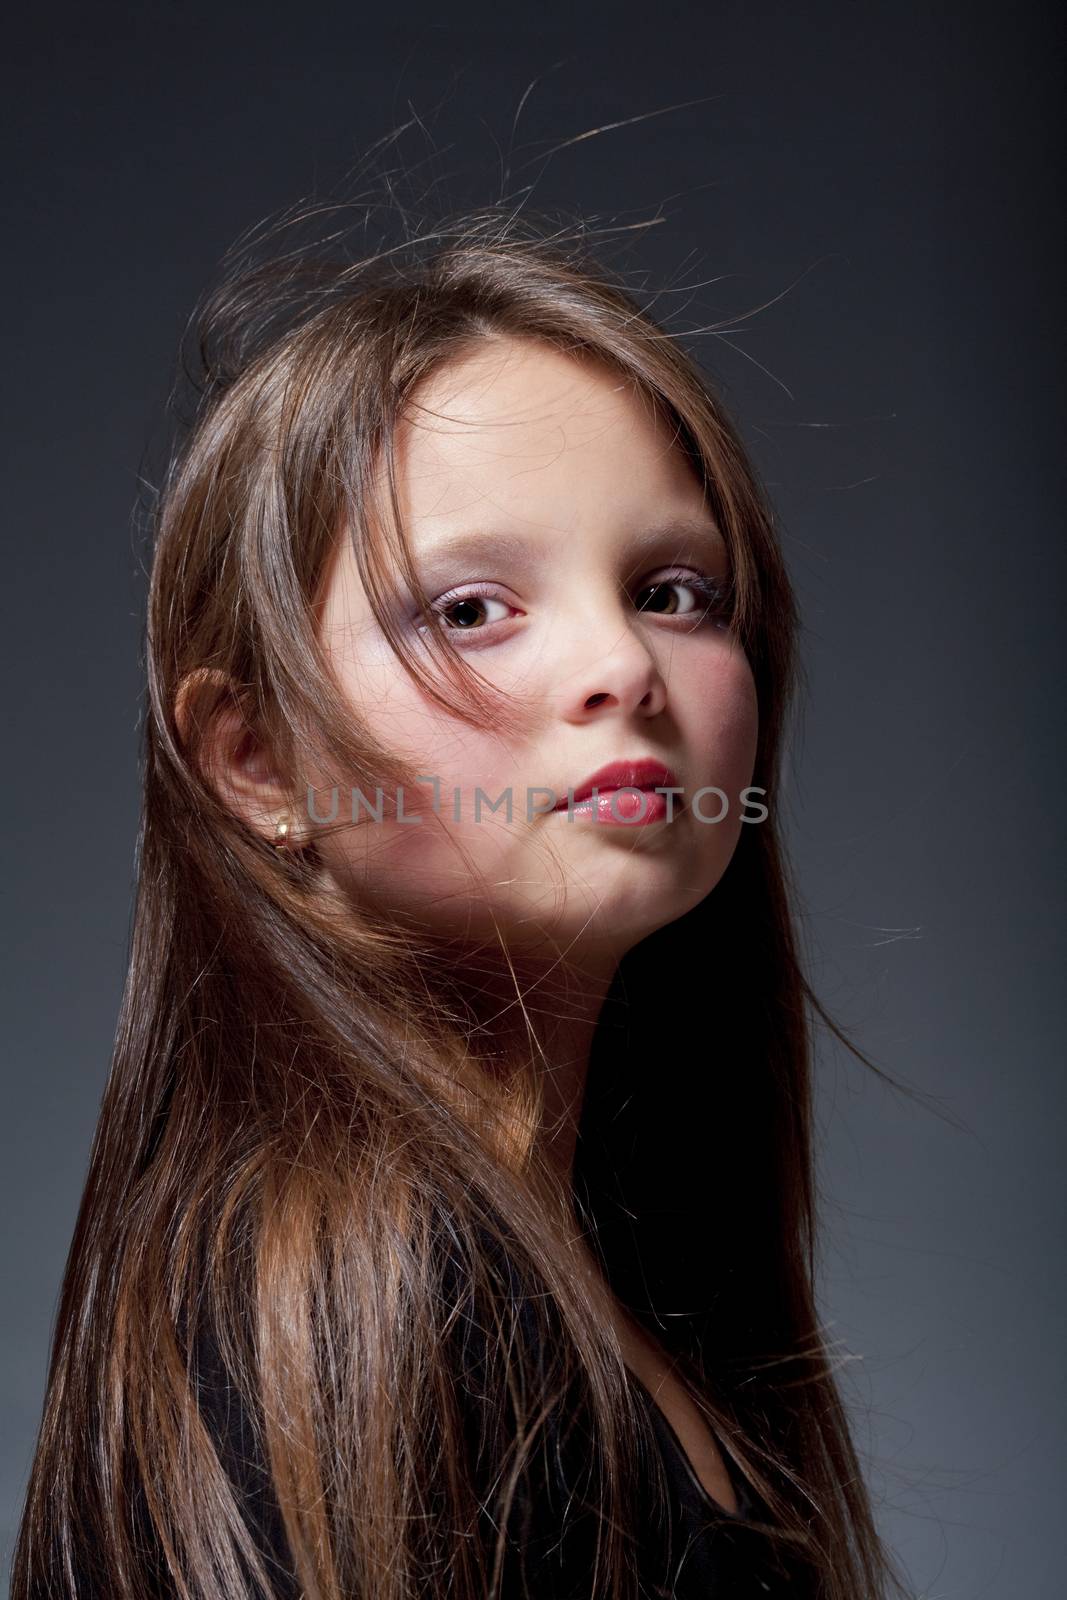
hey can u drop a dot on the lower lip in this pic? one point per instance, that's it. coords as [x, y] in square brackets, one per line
[620, 808]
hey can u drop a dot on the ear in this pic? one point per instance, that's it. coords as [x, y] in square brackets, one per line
[231, 756]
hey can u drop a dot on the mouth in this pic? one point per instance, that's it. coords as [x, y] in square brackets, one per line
[599, 794]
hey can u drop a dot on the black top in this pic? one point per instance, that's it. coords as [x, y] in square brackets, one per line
[704, 1552]
[699, 1551]
[707, 1552]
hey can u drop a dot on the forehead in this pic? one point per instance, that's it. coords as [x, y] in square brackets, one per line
[519, 382]
[522, 423]
[517, 445]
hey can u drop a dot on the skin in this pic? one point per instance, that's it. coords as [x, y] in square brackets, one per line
[532, 444]
[521, 440]
[558, 453]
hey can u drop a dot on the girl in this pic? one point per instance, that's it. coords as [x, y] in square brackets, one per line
[449, 1223]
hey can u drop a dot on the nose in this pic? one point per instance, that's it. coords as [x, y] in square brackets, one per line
[623, 677]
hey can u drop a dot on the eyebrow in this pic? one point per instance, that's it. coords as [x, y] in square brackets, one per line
[523, 556]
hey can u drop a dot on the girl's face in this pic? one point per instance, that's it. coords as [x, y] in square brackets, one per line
[562, 535]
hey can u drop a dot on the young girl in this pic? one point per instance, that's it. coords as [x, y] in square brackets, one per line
[449, 1223]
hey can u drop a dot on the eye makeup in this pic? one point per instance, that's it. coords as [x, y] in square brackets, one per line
[674, 540]
[713, 598]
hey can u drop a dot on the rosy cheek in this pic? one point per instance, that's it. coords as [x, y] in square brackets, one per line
[742, 700]
[727, 725]
[744, 715]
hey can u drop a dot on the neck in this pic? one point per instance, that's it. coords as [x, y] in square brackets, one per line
[544, 1010]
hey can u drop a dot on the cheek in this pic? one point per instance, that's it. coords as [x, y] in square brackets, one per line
[718, 711]
[392, 709]
[461, 756]
[442, 748]
[416, 862]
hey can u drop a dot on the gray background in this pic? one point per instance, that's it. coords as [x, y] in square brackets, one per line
[880, 179]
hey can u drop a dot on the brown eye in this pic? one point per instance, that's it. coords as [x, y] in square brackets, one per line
[707, 596]
[464, 613]
[467, 613]
[662, 598]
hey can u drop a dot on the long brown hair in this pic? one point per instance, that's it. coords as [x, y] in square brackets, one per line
[297, 1121]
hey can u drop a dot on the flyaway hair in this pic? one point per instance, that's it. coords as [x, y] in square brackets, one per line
[306, 1175]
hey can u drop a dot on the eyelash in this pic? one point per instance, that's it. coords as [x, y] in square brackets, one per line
[716, 595]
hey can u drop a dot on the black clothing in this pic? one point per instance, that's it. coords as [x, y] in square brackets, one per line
[711, 1555]
[704, 1553]
[701, 1552]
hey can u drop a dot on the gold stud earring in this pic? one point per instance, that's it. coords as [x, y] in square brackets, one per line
[281, 833]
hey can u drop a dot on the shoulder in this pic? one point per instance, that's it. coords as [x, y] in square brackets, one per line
[497, 1346]
[232, 1416]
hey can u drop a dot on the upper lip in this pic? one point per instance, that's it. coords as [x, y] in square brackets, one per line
[642, 773]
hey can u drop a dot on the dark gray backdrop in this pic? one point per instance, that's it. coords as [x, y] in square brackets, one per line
[882, 180]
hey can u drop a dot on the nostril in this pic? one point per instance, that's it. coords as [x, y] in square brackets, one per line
[595, 699]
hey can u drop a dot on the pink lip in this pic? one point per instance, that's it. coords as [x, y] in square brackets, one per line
[640, 774]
